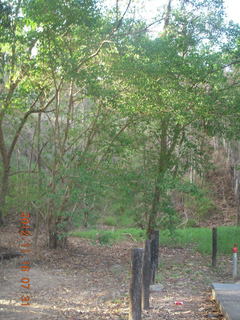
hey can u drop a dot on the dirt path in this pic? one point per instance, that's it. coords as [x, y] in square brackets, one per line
[89, 281]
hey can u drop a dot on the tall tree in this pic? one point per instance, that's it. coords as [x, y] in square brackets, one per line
[42, 44]
[177, 84]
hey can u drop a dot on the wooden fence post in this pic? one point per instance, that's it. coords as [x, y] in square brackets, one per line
[146, 275]
[135, 292]
[154, 254]
[214, 247]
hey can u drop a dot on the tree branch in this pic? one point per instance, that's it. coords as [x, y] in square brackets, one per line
[23, 121]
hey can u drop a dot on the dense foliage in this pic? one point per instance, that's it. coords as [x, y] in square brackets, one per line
[102, 123]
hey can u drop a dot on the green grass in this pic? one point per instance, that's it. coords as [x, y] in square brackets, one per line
[108, 236]
[199, 239]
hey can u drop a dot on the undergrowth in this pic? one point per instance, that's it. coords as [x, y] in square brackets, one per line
[110, 236]
[199, 239]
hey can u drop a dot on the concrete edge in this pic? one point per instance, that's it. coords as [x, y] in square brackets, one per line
[219, 305]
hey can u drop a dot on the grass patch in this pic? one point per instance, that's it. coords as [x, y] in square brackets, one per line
[201, 239]
[109, 236]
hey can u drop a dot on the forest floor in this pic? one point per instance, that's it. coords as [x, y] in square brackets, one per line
[90, 281]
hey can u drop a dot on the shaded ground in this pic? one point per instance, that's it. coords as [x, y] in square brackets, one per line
[88, 281]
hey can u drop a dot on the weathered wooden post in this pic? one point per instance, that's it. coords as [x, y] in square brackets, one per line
[154, 254]
[135, 292]
[214, 247]
[235, 262]
[146, 275]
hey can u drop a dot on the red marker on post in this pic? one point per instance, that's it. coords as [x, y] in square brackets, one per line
[235, 249]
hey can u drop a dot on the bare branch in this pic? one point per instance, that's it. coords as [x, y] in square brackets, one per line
[94, 54]
[143, 29]
[122, 17]
[23, 121]
[113, 139]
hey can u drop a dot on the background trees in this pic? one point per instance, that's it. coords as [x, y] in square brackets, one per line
[99, 121]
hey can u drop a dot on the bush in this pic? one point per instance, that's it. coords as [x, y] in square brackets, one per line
[105, 238]
[200, 204]
[192, 223]
[109, 221]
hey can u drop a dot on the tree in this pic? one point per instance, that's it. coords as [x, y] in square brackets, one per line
[20, 92]
[54, 70]
[177, 85]
[42, 43]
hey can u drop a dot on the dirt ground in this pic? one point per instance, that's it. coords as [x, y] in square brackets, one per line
[90, 281]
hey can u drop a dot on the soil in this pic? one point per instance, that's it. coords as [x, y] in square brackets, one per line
[90, 281]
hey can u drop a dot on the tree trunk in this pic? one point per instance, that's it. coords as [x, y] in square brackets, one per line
[168, 14]
[234, 162]
[85, 218]
[156, 200]
[36, 231]
[37, 214]
[52, 232]
[56, 237]
[161, 168]
[4, 189]
[154, 210]
[238, 209]
[52, 242]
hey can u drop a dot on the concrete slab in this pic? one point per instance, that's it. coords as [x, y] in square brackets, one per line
[227, 296]
[156, 287]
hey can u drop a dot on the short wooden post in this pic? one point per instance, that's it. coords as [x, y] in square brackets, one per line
[146, 275]
[135, 292]
[154, 254]
[214, 247]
